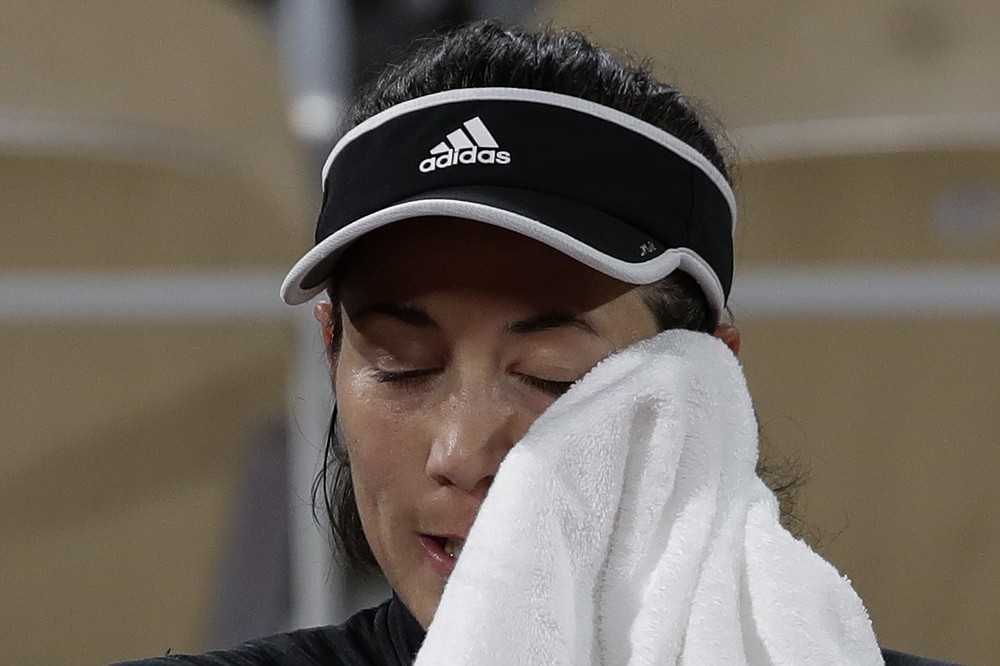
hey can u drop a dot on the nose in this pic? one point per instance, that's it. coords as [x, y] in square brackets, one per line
[471, 433]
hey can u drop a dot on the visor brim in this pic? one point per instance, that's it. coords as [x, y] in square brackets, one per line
[592, 237]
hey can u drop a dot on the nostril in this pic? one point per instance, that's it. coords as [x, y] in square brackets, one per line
[442, 479]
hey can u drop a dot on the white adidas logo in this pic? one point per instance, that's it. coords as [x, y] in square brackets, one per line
[469, 146]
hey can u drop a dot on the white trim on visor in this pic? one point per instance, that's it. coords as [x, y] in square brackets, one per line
[645, 273]
[648, 130]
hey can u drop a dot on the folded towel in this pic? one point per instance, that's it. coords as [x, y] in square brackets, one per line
[629, 527]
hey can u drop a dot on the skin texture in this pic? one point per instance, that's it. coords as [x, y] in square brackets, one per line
[456, 337]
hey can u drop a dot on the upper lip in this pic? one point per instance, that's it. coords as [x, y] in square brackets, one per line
[454, 536]
[447, 520]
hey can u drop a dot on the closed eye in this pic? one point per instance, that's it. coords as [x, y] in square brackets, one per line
[550, 386]
[402, 376]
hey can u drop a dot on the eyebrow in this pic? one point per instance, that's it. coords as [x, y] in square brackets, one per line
[419, 318]
[407, 314]
[548, 321]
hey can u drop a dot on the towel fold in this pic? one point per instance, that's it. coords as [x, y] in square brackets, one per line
[629, 527]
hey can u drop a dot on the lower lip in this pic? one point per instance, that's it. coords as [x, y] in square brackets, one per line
[438, 560]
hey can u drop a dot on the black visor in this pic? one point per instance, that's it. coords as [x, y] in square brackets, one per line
[613, 192]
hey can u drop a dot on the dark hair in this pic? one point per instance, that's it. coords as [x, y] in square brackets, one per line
[486, 54]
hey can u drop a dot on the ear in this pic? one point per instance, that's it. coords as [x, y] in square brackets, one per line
[323, 312]
[729, 334]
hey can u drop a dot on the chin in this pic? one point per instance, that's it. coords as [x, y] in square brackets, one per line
[421, 604]
[426, 601]
[420, 591]
[424, 612]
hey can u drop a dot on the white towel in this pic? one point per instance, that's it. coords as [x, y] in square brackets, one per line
[629, 527]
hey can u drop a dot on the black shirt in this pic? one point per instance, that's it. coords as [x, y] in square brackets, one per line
[386, 635]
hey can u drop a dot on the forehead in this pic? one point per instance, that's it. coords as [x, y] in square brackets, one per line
[410, 257]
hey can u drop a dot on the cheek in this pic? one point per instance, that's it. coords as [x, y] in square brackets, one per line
[375, 434]
[386, 464]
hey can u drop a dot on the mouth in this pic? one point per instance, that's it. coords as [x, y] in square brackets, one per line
[453, 547]
[442, 551]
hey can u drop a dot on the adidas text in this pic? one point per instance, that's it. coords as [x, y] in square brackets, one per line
[472, 143]
[468, 156]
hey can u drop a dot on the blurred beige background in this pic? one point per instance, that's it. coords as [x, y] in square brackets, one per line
[147, 145]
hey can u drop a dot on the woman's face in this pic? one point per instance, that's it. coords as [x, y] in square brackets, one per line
[456, 337]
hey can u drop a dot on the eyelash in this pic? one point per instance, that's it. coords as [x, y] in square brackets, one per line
[407, 377]
[550, 386]
[402, 376]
